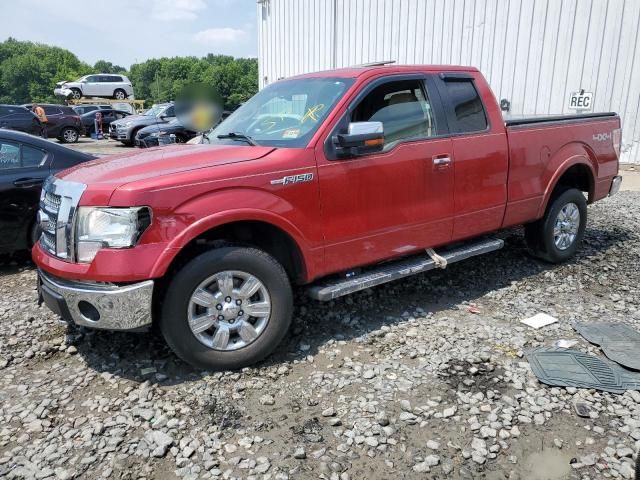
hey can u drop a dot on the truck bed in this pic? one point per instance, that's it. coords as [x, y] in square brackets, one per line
[542, 147]
[510, 122]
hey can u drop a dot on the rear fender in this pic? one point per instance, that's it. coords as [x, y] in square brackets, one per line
[569, 155]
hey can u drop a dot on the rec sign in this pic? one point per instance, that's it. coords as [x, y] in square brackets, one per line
[580, 100]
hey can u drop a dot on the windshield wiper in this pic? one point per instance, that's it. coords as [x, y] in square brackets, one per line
[239, 136]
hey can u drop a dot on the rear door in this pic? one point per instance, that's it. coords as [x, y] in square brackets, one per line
[54, 119]
[396, 201]
[23, 169]
[480, 154]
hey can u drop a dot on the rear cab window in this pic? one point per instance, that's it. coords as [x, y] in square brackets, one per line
[464, 108]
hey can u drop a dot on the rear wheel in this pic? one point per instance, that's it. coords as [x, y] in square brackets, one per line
[69, 135]
[227, 308]
[556, 236]
[119, 94]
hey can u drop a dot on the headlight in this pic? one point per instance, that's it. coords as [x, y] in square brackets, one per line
[99, 227]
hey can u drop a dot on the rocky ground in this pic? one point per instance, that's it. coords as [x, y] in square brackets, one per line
[422, 378]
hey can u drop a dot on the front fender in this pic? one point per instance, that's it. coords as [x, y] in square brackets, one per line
[195, 217]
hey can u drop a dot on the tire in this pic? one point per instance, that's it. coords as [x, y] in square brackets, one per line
[33, 234]
[120, 94]
[76, 94]
[69, 135]
[569, 205]
[239, 346]
[180, 139]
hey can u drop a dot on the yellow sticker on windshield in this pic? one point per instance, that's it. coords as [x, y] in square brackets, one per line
[291, 133]
[313, 112]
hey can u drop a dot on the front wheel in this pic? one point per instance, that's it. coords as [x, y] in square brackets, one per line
[227, 308]
[556, 236]
[69, 135]
[76, 94]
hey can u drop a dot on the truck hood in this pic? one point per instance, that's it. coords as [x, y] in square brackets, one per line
[116, 170]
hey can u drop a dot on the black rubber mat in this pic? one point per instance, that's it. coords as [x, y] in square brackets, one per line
[618, 341]
[599, 333]
[562, 367]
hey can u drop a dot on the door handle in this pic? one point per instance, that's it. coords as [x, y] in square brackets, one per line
[28, 182]
[440, 161]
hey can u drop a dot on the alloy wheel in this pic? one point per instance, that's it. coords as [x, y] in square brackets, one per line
[229, 310]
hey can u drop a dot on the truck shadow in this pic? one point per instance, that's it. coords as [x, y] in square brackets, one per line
[141, 357]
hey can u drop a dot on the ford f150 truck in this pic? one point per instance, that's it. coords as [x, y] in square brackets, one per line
[338, 180]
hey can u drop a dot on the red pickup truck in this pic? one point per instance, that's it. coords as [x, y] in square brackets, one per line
[338, 180]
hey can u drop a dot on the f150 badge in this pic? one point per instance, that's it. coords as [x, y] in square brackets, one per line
[289, 179]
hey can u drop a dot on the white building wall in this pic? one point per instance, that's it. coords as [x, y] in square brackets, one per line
[533, 52]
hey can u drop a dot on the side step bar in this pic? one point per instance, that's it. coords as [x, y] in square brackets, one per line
[391, 271]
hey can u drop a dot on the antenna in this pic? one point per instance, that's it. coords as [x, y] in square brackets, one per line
[376, 64]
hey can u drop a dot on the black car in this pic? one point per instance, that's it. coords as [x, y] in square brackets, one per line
[82, 109]
[108, 116]
[25, 162]
[153, 135]
[63, 122]
[19, 118]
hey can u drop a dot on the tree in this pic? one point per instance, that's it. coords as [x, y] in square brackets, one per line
[29, 72]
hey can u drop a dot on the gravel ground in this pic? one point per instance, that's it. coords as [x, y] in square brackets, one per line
[422, 378]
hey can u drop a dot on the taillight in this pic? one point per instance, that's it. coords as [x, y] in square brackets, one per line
[616, 138]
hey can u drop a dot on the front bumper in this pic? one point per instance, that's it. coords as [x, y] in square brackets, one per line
[62, 92]
[98, 305]
[615, 185]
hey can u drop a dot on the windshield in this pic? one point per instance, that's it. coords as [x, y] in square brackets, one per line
[153, 111]
[284, 114]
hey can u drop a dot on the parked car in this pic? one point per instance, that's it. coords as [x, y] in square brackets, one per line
[104, 85]
[368, 168]
[82, 109]
[25, 162]
[126, 129]
[63, 122]
[19, 118]
[108, 116]
[152, 135]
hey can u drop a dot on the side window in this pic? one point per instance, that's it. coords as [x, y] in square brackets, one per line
[468, 111]
[170, 112]
[403, 108]
[50, 110]
[32, 157]
[9, 155]
[114, 78]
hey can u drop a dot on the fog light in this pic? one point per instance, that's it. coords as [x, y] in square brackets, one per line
[88, 311]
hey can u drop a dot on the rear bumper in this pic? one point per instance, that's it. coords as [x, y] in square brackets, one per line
[97, 305]
[615, 185]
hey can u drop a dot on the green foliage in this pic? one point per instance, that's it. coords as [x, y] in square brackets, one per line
[29, 72]
[160, 80]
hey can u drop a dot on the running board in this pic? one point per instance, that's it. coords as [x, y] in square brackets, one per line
[391, 271]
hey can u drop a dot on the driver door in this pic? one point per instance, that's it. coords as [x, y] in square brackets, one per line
[392, 202]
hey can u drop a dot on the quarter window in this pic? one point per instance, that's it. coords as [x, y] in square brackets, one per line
[468, 111]
[9, 155]
[13, 155]
[403, 108]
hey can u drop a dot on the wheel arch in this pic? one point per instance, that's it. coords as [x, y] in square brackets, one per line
[573, 166]
[272, 235]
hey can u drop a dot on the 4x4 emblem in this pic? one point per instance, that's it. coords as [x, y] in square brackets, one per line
[289, 179]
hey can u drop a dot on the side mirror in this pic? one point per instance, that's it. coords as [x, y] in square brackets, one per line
[362, 138]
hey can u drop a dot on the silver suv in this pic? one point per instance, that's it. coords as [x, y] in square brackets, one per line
[125, 130]
[105, 85]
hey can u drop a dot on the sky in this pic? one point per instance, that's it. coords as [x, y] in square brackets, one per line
[130, 31]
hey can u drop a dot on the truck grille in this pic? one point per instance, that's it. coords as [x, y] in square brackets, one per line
[58, 203]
